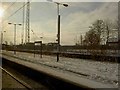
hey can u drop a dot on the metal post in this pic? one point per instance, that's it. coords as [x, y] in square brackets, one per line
[41, 49]
[119, 26]
[14, 35]
[58, 38]
[58, 35]
[1, 42]
[22, 34]
[34, 49]
[14, 38]
[1, 38]
[107, 33]
[27, 35]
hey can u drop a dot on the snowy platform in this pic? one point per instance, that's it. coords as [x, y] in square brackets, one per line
[93, 74]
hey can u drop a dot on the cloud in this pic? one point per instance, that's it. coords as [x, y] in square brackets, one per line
[47, 30]
[80, 21]
[75, 20]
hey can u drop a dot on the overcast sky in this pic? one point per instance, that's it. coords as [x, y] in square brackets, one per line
[75, 19]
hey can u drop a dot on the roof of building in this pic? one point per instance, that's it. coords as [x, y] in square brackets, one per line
[112, 40]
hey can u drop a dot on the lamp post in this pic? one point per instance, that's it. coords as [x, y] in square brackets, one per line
[2, 36]
[14, 35]
[2, 39]
[41, 46]
[58, 34]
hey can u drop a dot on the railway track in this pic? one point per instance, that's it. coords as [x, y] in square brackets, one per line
[44, 81]
[24, 84]
[98, 57]
[27, 82]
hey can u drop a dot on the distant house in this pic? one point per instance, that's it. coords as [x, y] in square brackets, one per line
[113, 42]
[52, 44]
[30, 44]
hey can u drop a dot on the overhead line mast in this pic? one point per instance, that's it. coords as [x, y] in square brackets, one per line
[27, 35]
[22, 34]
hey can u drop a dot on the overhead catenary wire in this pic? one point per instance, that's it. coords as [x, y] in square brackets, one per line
[10, 6]
[15, 12]
[34, 34]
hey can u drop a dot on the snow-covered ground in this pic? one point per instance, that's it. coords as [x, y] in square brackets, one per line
[104, 72]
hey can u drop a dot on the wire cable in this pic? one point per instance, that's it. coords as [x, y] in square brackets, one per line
[10, 6]
[17, 79]
[35, 34]
[15, 12]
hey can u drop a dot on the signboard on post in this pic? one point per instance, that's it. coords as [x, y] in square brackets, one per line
[40, 44]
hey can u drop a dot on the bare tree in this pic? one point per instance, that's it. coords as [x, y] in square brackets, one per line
[108, 28]
[92, 39]
[94, 36]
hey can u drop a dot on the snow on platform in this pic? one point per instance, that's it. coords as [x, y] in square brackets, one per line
[103, 72]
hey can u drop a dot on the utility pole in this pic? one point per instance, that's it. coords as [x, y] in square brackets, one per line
[81, 39]
[119, 24]
[14, 38]
[22, 34]
[107, 33]
[27, 35]
[14, 35]
[1, 37]
[58, 26]
[58, 34]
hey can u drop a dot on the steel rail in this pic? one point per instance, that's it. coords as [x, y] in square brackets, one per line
[17, 79]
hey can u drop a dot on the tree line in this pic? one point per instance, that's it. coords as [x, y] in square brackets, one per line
[99, 33]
